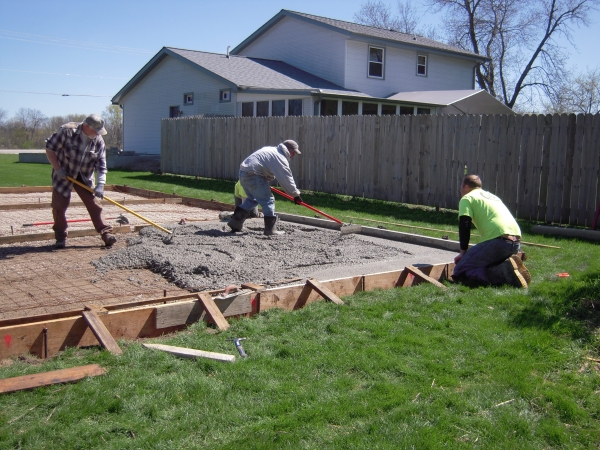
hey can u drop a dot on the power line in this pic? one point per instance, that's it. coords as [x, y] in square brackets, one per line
[39, 39]
[53, 93]
[66, 74]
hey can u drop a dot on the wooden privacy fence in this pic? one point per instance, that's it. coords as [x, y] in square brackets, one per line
[544, 167]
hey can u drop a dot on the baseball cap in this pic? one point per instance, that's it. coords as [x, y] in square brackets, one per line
[96, 122]
[292, 145]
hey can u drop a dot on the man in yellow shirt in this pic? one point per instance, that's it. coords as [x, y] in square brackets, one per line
[239, 195]
[494, 260]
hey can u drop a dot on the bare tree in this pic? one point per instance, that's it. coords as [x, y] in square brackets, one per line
[518, 37]
[3, 116]
[378, 14]
[579, 94]
[30, 120]
[113, 116]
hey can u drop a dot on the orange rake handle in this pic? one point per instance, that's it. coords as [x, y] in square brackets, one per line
[306, 205]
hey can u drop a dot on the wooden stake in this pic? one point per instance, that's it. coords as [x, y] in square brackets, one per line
[325, 292]
[213, 311]
[48, 378]
[101, 333]
[416, 272]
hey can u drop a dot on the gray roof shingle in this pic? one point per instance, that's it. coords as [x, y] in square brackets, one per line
[362, 30]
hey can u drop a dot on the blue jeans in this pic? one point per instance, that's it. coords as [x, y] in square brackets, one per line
[258, 192]
[474, 264]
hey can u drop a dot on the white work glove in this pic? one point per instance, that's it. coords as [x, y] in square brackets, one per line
[99, 191]
[60, 173]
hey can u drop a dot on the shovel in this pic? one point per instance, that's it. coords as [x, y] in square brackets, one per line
[344, 229]
[119, 205]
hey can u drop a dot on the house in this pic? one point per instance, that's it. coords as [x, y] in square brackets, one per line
[301, 64]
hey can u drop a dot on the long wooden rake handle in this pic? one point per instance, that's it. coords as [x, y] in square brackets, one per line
[306, 205]
[120, 206]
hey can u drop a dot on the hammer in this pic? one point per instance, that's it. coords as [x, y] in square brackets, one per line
[236, 341]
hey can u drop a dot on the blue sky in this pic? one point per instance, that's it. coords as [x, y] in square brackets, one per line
[90, 50]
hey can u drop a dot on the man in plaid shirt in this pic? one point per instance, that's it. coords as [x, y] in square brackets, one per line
[77, 150]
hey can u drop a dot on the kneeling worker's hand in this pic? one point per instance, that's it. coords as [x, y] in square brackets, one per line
[298, 200]
[99, 191]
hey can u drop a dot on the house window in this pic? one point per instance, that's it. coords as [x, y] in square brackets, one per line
[278, 108]
[369, 109]
[329, 107]
[173, 111]
[349, 108]
[423, 111]
[295, 107]
[388, 110]
[407, 110]
[262, 109]
[247, 109]
[188, 99]
[225, 95]
[376, 62]
[422, 65]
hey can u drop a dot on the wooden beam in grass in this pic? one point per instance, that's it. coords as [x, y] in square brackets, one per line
[48, 378]
[416, 272]
[325, 292]
[100, 331]
[191, 353]
[213, 311]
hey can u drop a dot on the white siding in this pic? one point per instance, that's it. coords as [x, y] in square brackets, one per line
[309, 47]
[148, 102]
[443, 73]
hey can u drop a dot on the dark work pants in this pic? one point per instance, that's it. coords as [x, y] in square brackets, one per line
[60, 203]
[479, 263]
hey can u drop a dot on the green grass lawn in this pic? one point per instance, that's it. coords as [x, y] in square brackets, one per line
[490, 368]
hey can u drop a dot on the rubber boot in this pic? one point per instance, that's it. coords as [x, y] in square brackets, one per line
[270, 227]
[236, 223]
[505, 273]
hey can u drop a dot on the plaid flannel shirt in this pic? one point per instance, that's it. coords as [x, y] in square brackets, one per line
[67, 143]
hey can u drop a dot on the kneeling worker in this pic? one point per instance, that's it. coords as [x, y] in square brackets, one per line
[494, 260]
[256, 171]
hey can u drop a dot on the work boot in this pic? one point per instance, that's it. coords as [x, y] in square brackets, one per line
[270, 226]
[236, 223]
[109, 239]
[507, 272]
[60, 243]
[521, 268]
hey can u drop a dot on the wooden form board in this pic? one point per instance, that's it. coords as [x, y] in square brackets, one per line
[47, 378]
[50, 236]
[140, 320]
[188, 312]
[73, 331]
[122, 202]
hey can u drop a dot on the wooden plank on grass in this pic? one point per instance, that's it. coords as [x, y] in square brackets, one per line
[101, 333]
[48, 378]
[213, 311]
[416, 272]
[174, 314]
[382, 280]
[191, 353]
[325, 292]
[25, 189]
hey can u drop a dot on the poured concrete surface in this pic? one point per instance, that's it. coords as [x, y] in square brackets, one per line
[209, 256]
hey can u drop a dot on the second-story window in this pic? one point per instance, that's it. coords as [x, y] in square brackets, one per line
[422, 65]
[376, 56]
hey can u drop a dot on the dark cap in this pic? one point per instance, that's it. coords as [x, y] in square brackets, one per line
[96, 122]
[292, 145]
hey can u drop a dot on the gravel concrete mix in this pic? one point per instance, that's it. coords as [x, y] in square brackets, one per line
[209, 256]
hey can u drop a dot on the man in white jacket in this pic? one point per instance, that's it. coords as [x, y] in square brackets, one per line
[256, 171]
